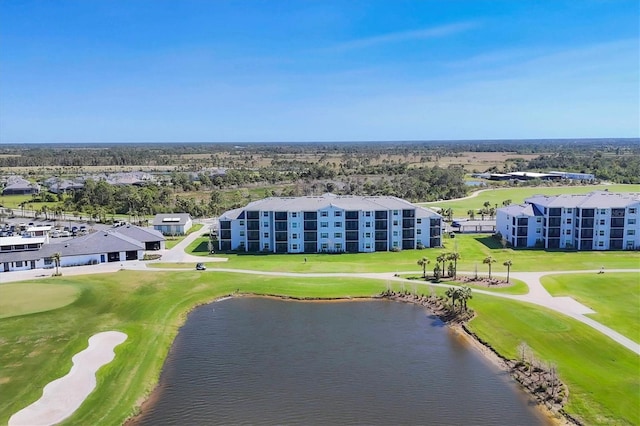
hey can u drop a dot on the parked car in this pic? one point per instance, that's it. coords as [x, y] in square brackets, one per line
[200, 267]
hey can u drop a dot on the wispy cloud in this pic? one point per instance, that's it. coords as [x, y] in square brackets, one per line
[421, 34]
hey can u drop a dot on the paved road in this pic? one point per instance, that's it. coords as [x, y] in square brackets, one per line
[537, 293]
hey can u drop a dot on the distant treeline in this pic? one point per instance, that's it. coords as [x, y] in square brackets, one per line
[198, 186]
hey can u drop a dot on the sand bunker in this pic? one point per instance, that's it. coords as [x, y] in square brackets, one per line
[63, 396]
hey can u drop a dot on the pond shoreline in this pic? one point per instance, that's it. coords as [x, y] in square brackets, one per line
[454, 323]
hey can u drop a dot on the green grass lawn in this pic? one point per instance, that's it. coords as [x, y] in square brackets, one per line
[516, 287]
[22, 299]
[150, 307]
[171, 242]
[614, 296]
[200, 246]
[602, 376]
[517, 195]
[472, 248]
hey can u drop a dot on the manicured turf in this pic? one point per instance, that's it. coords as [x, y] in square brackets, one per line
[473, 248]
[22, 299]
[614, 296]
[602, 376]
[516, 287]
[150, 306]
[517, 195]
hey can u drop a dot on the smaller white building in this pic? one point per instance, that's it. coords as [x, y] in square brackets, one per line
[172, 223]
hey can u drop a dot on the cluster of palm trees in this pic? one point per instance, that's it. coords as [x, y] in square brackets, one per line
[452, 258]
[489, 260]
[461, 294]
[439, 272]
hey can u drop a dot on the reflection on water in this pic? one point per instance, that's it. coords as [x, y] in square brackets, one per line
[267, 361]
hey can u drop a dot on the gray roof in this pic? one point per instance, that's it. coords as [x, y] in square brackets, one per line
[521, 210]
[94, 243]
[20, 183]
[344, 202]
[18, 256]
[137, 233]
[171, 219]
[595, 199]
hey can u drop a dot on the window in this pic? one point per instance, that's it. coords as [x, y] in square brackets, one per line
[568, 210]
[294, 247]
[567, 232]
[600, 243]
[324, 235]
[242, 223]
[242, 233]
[294, 225]
[631, 221]
[601, 233]
[538, 219]
[294, 214]
[266, 246]
[395, 223]
[265, 214]
[266, 235]
[265, 224]
[418, 221]
[395, 233]
[538, 230]
[324, 224]
[337, 235]
[367, 235]
[339, 246]
[367, 245]
[631, 232]
[337, 213]
[338, 225]
[19, 264]
[324, 246]
[603, 211]
[367, 225]
[367, 214]
[418, 231]
[324, 214]
[395, 244]
[395, 212]
[632, 211]
[569, 221]
[602, 221]
[294, 236]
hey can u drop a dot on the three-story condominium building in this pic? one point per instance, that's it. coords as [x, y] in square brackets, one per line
[329, 223]
[600, 220]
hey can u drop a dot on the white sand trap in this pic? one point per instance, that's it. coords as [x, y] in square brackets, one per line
[63, 396]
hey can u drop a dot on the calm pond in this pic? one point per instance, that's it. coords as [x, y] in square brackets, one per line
[268, 361]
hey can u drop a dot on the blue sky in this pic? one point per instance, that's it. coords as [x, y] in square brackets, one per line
[276, 70]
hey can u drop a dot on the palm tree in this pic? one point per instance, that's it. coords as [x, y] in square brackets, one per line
[454, 256]
[508, 265]
[471, 214]
[442, 258]
[488, 261]
[56, 260]
[464, 294]
[452, 293]
[424, 262]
